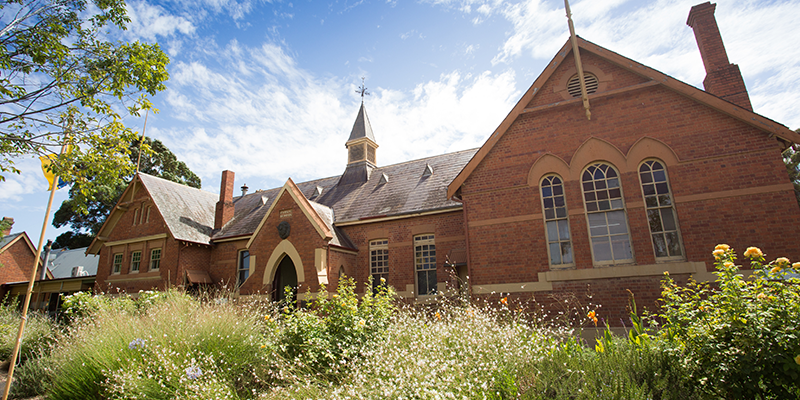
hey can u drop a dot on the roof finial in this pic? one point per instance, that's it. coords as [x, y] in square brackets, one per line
[363, 90]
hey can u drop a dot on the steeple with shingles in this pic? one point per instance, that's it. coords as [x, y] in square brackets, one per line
[361, 148]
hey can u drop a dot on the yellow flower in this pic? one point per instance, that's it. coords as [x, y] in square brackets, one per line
[383, 280]
[504, 300]
[718, 253]
[753, 252]
[438, 316]
[728, 264]
[782, 261]
[267, 318]
[723, 247]
[263, 346]
[796, 265]
[775, 269]
[761, 296]
[797, 359]
[361, 322]
[592, 316]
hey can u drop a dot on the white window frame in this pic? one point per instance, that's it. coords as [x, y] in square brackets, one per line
[136, 262]
[596, 206]
[116, 263]
[155, 263]
[240, 269]
[425, 262]
[659, 202]
[553, 218]
[379, 261]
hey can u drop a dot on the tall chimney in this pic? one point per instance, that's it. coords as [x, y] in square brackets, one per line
[723, 79]
[225, 204]
[7, 231]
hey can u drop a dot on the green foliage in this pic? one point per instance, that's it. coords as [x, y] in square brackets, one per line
[791, 157]
[739, 337]
[325, 338]
[86, 214]
[63, 82]
[39, 331]
[170, 346]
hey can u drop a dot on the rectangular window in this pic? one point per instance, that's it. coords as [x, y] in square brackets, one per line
[425, 264]
[135, 216]
[148, 215]
[605, 214]
[155, 259]
[115, 268]
[136, 260]
[661, 216]
[243, 270]
[559, 245]
[379, 261]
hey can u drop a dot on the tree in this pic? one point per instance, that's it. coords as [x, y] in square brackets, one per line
[64, 81]
[157, 160]
[791, 156]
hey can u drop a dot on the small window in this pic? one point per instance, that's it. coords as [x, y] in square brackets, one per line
[135, 216]
[574, 84]
[148, 215]
[605, 214]
[379, 262]
[117, 265]
[155, 259]
[559, 244]
[425, 264]
[136, 260]
[243, 269]
[661, 215]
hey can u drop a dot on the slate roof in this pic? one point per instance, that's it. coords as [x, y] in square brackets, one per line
[8, 239]
[188, 212]
[406, 192]
[362, 127]
[62, 261]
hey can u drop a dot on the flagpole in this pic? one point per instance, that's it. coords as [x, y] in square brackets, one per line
[29, 291]
[576, 52]
[139, 158]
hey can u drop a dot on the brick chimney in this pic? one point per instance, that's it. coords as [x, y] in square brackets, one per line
[723, 79]
[7, 231]
[225, 204]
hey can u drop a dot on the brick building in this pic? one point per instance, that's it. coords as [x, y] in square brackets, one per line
[552, 203]
[17, 255]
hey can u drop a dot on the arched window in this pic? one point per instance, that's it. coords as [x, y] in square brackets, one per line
[554, 206]
[605, 214]
[661, 215]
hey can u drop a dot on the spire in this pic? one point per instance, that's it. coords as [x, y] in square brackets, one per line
[362, 127]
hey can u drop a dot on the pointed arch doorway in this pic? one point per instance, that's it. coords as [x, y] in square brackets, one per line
[285, 275]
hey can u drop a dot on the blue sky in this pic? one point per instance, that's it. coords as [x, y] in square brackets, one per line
[267, 89]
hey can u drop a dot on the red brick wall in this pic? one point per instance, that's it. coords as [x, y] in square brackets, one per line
[448, 229]
[16, 262]
[723, 164]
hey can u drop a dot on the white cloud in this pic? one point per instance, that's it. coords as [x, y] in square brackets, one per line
[149, 21]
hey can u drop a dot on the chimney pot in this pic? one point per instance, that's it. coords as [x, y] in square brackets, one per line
[244, 189]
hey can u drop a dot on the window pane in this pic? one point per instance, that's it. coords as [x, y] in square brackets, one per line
[660, 245]
[602, 249]
[646, 177]
[566, 252]
[613, 183]
[668, 218]
[621, 247]
[547, 191]
[659, 176]
[654, 219]
[563, 229]
[649, 190]
[650, 201]
[552, 231]
[555, 253]
[661, 188]
[616, 222]
[549, 214]
[673, 244]
[597, 224]
[664, 200]
[561, 212]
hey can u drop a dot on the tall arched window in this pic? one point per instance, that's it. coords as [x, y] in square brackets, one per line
[605, 214]
[661, 215]
[554, 206]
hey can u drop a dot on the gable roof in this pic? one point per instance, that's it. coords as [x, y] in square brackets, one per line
[407, 192]
[655, 78]
[7, 241]
[187, 212]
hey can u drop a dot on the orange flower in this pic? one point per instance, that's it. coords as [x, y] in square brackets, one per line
[593, 316]
[718, 253]
[438, 316]
[723, 247]
[753, 252]
[775, 269]
[504, 300]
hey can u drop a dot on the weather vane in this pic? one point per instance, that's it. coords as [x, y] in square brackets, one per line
[362, 90]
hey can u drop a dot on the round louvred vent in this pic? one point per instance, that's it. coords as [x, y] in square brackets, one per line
[574, 85]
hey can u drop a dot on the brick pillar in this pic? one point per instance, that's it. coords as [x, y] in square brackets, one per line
[224, 211]
[723, 79]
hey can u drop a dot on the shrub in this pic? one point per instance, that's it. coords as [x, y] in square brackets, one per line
[325, 337]
[39, 331]
[739, 337]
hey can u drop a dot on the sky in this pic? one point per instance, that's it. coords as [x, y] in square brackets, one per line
[267, 89]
